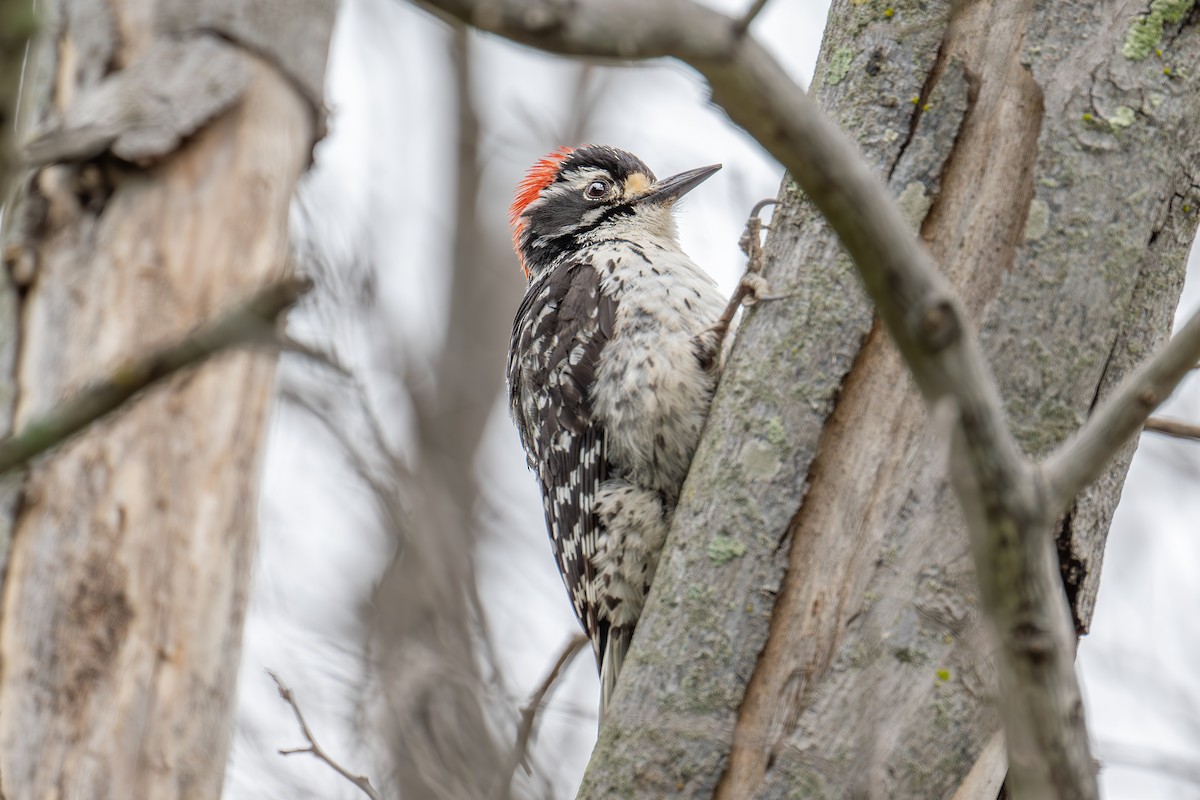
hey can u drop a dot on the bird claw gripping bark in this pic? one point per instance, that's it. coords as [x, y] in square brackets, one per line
[751, 289]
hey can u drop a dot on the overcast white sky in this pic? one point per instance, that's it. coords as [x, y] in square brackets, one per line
[378, 191]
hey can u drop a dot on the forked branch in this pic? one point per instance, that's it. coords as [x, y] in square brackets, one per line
[1081, 459]
[1173, 427]
[530, 711]
[314, 749]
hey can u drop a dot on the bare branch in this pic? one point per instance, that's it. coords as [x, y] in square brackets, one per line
[431, 639]
[585, 104]
[253, 322]
[529, 714]
[1081, 459]
[751, 14]
[17, 26]
[361, 781]
[317, 355]
[1172, 427]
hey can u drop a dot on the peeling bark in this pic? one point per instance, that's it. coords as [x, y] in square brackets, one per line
[127, 579]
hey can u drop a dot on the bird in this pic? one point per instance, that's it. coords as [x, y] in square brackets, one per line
[614, 358]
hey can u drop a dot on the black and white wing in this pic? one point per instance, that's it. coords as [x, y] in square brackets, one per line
[559, 332]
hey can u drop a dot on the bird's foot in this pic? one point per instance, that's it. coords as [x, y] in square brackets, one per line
[751, 289]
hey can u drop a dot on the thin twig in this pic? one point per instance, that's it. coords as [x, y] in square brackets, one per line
[361, 781]
[252, 322]
[1081, 459]
[326, 358]
[529, 715]
[585, 105]
[748, 18]
[1173, 427]
[17, 27]
[430, 658]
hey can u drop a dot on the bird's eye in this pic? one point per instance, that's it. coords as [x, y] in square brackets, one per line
[597, 189]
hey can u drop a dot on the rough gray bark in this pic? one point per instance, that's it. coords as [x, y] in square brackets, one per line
[1062, 222]
[127, 578]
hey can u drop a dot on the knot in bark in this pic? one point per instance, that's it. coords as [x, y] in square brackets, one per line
[938, 326]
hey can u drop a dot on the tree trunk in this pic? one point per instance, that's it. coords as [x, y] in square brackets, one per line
[813, 631]
[171, 138]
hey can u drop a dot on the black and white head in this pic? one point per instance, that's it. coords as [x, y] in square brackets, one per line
[577, 196]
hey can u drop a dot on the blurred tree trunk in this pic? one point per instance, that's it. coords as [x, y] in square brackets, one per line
[813, 631]
[169, 139]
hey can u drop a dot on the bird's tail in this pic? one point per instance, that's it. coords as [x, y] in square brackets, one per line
[610, 664]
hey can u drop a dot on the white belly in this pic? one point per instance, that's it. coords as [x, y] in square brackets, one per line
[651, 393]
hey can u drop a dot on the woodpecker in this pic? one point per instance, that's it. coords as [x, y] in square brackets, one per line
[611, 371]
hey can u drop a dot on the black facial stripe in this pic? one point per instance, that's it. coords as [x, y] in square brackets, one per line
[563, 210]
[552, 248]
[567, 211]
[548, 251]
[619, 210]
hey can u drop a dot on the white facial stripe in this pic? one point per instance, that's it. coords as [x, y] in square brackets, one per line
[580, 180]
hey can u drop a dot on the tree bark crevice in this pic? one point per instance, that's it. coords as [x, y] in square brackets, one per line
[879, 405]
[808, 617]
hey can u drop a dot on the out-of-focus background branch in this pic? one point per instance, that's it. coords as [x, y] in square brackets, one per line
[17, 25]
[426, 616]
[257, 321]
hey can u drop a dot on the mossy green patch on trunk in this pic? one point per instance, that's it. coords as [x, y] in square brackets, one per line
[1146, 32]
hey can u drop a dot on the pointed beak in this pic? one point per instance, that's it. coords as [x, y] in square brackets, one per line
[668, 190]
